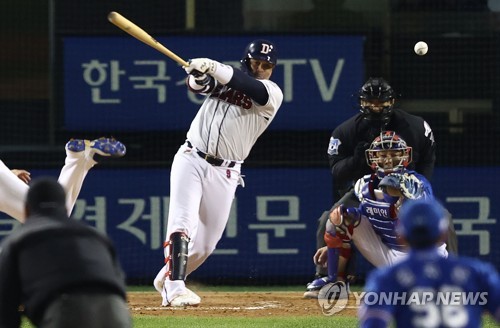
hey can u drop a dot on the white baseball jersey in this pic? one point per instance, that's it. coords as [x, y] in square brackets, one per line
[228, 123]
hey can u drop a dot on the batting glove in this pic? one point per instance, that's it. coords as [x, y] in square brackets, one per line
[202, 79]
[200, 66]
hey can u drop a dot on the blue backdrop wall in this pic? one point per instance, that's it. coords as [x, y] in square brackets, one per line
[271, 230]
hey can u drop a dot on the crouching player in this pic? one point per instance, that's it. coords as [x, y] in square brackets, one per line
[372, 224]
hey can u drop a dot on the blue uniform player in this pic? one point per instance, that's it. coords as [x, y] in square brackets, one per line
[425, 289]
[372, 224]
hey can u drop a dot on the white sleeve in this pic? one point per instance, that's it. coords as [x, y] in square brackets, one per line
[223, 73]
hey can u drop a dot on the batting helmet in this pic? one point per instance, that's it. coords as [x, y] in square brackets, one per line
[376, 99]
[422, 222]
[259, 49]
[388, 153]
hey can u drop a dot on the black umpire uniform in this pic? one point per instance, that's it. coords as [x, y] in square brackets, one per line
[348, 162]
[348, 142]
[61, 272]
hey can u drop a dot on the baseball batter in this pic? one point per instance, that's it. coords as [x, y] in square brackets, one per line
[81, 156]
[425, 289]
[372, 225]
[239, 106]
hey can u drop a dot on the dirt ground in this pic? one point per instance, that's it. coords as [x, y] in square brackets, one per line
[237, 304]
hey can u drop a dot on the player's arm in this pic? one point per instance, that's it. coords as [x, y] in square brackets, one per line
[231, 77]
[347, 162]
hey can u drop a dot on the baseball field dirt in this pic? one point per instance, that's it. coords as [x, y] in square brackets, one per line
[237, 304]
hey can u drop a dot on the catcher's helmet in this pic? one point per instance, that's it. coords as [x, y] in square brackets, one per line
[376, 99]
[259, 49]
[388, 153]
[422, 222]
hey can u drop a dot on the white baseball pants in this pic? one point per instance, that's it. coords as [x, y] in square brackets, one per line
[13, 191]
[374, 250]
[200, 202]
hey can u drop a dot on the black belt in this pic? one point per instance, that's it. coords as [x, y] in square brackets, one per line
[215, 161]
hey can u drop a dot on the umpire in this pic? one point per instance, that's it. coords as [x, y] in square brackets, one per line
[348, 142]
[61, 272]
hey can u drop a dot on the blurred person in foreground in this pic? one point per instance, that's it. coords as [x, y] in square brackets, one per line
[59, 272]
[428, 290]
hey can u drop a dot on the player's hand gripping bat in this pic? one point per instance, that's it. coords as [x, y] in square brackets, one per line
[143, 36]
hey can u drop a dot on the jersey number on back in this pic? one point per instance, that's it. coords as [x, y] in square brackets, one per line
[442, 310]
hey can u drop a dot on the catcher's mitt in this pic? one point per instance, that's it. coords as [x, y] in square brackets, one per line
[408, 185]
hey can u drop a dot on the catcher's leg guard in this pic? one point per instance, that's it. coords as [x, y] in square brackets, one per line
[334, 244]
[177, 260]
[338, 245]
[320, 241]
[333, 247]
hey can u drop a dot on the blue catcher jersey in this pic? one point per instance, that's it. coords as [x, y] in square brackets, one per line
[381, 209]
[427, 290]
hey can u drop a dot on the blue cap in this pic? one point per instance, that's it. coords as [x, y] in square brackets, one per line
[422, 222]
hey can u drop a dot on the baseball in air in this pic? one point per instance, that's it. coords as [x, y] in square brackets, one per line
[421, 48]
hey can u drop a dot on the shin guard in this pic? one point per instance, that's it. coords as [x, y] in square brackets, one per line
[334, 245]
[178, 256]
[333, 263]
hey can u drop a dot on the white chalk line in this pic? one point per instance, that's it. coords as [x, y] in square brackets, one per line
[265, 306]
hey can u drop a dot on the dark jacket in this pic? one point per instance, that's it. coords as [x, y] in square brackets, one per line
[356, 134]
[50, 256]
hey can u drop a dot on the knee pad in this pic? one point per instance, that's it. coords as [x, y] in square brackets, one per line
[330, 237]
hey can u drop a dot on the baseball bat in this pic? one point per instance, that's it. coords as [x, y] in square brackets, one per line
[141, 35]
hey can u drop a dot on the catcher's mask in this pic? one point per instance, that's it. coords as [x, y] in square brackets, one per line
[388, 153]
[262, 50]
[376, 99]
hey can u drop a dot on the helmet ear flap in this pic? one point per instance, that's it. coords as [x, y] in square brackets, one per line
[245, 65]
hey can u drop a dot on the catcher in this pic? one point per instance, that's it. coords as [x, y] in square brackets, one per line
[372, 224]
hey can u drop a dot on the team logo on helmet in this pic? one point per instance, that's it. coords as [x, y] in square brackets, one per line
[266, 48]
